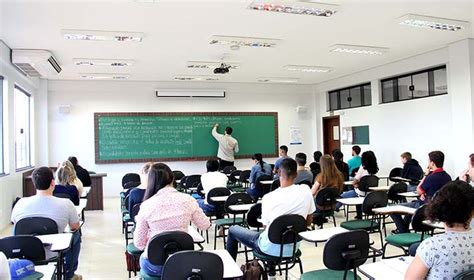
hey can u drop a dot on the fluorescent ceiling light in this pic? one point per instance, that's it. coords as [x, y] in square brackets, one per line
[306, 68]
[104, 76]
[295, 7]
[210, 64]
[103, 62]
[195, 78]
[277, 80]
[433, 22]
[354, 49]
[96, 35]
[244, 41]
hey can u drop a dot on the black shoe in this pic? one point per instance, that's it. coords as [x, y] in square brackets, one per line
[395, 231]
[358, 217]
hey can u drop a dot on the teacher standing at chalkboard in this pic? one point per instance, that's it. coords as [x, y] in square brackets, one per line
[228, 145]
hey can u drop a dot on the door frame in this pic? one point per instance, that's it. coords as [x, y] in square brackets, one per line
[325, 132]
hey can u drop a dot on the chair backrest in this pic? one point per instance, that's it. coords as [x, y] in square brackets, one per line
[367, 182]
[244, 176]
[253, 215]
[35, 226]
[275, 184]
[229, 169]
[395, 172]
[130, 177]
[466, 275]
[162, 245]
[130, 185]
[374, 200]
[182, 182]
[395, 189]
[178, 174]
[346, 250]
[200, 190]
[193, 265]
[305, 182]
[418, 218]
[264, 187]
[326, 198]
[285, 229]
[217, 192]
[233, 174]
[135, 210]
[192, 181]
[23, 247]
[235, 199]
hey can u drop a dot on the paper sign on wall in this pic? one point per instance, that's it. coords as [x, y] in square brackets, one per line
[295, 135]
[335, 133]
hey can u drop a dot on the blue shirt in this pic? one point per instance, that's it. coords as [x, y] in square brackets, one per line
[278, 161]
[70, 190]
[135, 197]
[256, 171]
[354, 163]
[435, 181]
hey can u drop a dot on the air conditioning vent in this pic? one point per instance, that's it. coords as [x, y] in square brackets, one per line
[54, 64]
[36, 63]
[190, 93]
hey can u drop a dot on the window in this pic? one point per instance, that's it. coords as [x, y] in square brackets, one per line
[350, 97]
[22, 128]
[2, 143]
[419, 84]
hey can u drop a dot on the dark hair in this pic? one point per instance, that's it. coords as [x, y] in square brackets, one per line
[159, 176]
[42, 178]
[228, 130]
[337, 155]
[406, 155]
[212, 165]
[369, 162]
[437, 157]
[356, 149]
[73, 160]
[284, 148]
[258, 157]
[317, 156]
[288, 168]
[301, 159]
[472, 159]
[452, 204]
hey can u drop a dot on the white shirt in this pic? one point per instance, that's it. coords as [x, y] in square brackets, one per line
[212, 180]
[228, 145]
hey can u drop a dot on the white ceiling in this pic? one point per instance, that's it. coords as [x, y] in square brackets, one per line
[179, 31]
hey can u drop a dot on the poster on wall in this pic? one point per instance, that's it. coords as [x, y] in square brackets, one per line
[355, 135]
[295, 135]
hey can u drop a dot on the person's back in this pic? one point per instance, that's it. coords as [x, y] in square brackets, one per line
[71, 191]
[355, 161]
[228, 145]
[304, 176]
[135, 197]
[213, 179]
[82, 173]
[413, 171]
[435, 181]
[257, 170]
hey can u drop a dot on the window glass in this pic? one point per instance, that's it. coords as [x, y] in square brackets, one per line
[22, 128]
[404, 92]
[388, 91]
[420, 82]
[440, 81]
[344, 96]
[333, 101]
[350, 97]
[367, 95]
[2, 143]
[356, 97]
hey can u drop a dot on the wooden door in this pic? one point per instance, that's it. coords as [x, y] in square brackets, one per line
[331, 134]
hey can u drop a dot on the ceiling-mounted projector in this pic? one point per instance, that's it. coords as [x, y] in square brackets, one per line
[223, 69]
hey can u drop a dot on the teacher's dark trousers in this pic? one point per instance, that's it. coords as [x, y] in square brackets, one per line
[224, 163]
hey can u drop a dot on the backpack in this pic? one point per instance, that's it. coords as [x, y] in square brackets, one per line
[253, 271]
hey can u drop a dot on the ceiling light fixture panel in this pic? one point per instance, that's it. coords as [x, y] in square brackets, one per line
[234, 41]
[308, 69]
[298, 7]
[433, 22]
[103, 62]
[195, 78]
[210, 64]
[97, 35]
[356, 49]
[277, 80]
[104, 76]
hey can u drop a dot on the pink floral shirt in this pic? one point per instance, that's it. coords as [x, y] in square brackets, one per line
[167, 210]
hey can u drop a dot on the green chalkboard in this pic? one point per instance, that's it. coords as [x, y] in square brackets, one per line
[139, 137]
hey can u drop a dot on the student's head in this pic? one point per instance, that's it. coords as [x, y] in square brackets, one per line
[73, 160]
[212, 165]
[300, 159]
[436, 159]
[287, 171]
[317, 155]
[159, 176]
[66, 173]
[405, 157]
[43, 178]
[228, 130]
[337, 155]
[355, 150]
[369, 162]
[471, 161]
[453, 204]
[283, 150]
[258, 159]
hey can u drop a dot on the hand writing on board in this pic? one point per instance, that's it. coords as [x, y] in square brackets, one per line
[216, 125]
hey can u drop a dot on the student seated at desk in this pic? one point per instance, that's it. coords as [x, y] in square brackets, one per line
[369, 166]
[303, 174]
[260, 168]
[435, 179]
[283, 154]
[338, 157]
[62, 211]
[355, 162]
[210, 180]
[64, 175]
[164, 209]
[72, 179]
[314, 166]
[287, 199]
[411, 170]
[136, 194]
[444, 256]
[82, 173]
[468, 174]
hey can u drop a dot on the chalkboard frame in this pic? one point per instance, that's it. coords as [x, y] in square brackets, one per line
[97, 115]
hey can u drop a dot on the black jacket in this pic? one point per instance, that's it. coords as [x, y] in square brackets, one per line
[413, 171]
[83, 175]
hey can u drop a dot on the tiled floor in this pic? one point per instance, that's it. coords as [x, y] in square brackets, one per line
[103, 246]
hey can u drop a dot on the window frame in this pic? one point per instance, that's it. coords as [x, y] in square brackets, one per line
[337, 92]
[30, 165]
[2, 128]
[395, 79]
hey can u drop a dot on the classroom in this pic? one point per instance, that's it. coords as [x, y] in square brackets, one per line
[236, 139]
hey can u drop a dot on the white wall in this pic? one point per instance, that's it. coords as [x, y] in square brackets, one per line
[418, 126]
[74, 133]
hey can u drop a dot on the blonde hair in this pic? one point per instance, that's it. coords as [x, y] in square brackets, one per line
[66, 174]
[146, 167]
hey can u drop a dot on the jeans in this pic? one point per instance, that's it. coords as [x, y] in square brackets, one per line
[413, 248]
[245, 236]
[403, 223]
[207, 208]
[254, 193]
[71, 256]
[149, 268]
[411, 188]
[349, 194]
